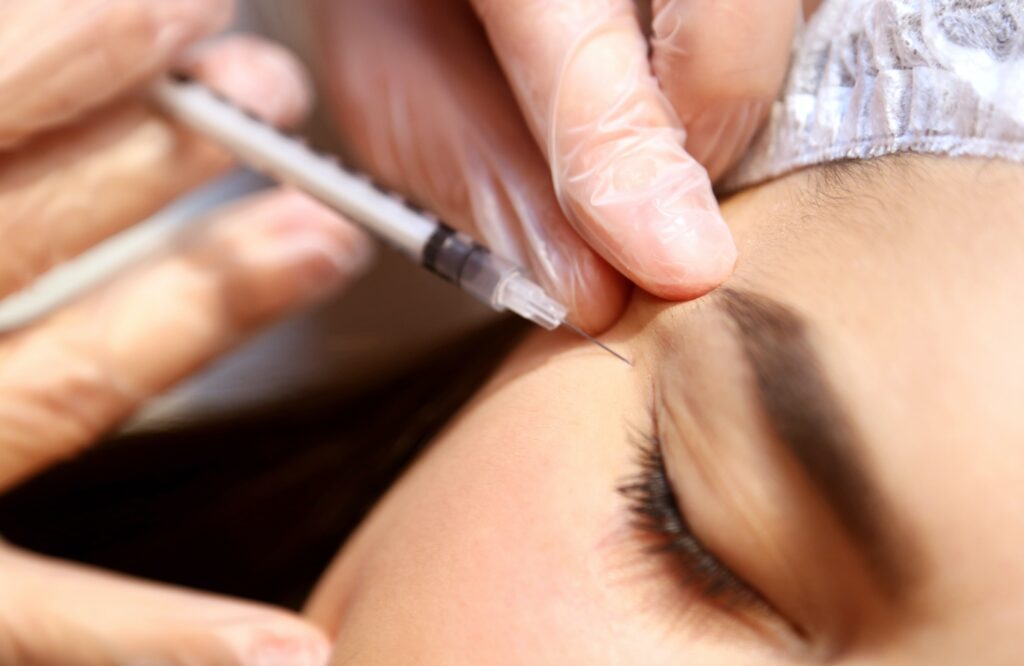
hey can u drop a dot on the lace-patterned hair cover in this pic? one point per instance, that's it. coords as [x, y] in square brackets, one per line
[874, 77]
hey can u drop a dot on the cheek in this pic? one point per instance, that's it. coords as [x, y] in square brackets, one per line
[504, 541]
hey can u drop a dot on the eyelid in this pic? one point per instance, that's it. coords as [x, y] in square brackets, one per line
[656, 510]
[659, 514]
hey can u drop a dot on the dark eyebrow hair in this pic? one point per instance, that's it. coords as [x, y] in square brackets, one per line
[809, 420]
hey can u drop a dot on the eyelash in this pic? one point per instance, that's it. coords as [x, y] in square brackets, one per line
[656, 512]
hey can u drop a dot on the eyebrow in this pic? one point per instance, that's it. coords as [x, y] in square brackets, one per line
[809, 420]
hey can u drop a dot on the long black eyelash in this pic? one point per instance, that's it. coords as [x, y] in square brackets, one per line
[656, 512]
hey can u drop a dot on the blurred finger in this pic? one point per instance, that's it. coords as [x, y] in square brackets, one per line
[62, 58]
[581, 74]
[65, 191]
[74, 376]
[258, 75]
[721, 64]
[59, 613]
[419, 97]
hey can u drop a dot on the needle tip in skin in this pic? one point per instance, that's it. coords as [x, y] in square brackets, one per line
[580, 332]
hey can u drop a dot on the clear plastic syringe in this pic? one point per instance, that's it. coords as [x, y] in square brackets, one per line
[496, 281]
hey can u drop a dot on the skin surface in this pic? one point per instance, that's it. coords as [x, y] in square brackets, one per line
[507, 542]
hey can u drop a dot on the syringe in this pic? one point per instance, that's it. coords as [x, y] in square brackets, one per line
[494, 280]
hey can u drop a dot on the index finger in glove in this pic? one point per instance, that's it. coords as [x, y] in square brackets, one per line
[615, 146]
[62, 58]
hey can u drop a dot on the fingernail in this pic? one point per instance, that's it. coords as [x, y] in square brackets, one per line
[324, 250]
[320, 263]
[281, 251]
[258, 76]
[283, 652]
[262, 646]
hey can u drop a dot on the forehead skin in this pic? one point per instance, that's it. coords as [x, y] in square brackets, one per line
[910, 273]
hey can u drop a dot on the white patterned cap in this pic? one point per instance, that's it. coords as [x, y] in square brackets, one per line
[875, 77]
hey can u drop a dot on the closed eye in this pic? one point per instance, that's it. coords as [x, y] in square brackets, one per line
[657, 514]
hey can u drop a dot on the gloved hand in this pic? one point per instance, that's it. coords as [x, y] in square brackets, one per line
[419, 97]
[83, 157]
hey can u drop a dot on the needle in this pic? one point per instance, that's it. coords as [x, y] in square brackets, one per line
[584, 334]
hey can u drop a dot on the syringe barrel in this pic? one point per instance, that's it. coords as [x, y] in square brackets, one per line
[496, 281]
[493, 280]
[265, 149]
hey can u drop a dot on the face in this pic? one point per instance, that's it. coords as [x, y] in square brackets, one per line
[820, 462]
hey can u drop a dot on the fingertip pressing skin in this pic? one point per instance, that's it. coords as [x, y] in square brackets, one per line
[621, 168]
[613, 141]
[651, 212]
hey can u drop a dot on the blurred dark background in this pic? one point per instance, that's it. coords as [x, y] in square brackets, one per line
[257, 504]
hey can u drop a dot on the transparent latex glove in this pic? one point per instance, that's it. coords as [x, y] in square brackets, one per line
[84, 156]
[578, 169]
